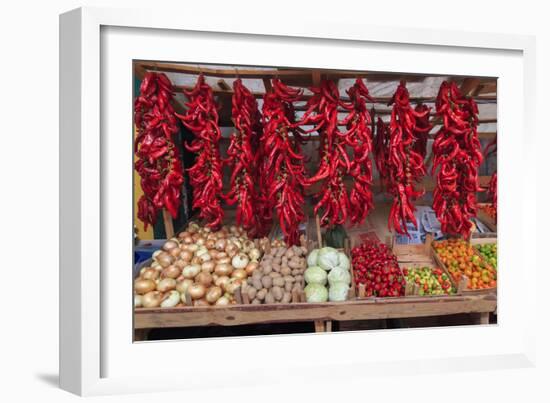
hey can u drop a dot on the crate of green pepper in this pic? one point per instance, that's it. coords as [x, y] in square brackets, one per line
[428, 281]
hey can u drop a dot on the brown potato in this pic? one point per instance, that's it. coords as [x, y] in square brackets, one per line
[274, 274]
[277, 293]
[267, 269]
[289, 279]
[287, 297]
[285, 270]
[278, 282]
[269, 298]
[251, 293]
[261, 294]
[288, 286]
[256, 302]
[267, 281]
[257, 284]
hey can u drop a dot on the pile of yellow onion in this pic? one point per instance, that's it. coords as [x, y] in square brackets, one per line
[198, 267]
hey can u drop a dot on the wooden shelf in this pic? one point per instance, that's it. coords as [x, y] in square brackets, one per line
[379, 308]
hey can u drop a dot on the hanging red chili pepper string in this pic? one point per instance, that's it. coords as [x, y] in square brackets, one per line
[322, 113]
[359, 137]
[491, 148]
[421, 130]
[457, 157]
[159, 164]
[241, 156]
[282, 165]
[381, 150]
[205, 175]
[405, 165]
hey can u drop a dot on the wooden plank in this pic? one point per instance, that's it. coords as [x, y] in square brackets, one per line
[383, 308]
[168, 223]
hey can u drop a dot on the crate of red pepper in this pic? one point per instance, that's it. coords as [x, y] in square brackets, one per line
[376, 271]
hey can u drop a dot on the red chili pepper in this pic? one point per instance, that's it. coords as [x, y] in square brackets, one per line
[457, 157]
[158, 163]
[205, 175]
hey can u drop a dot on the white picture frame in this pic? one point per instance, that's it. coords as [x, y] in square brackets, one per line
[96, 352]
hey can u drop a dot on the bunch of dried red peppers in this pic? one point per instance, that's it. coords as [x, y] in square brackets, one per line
[158, 159]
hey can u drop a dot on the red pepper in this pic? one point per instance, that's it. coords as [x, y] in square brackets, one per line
[158, 160]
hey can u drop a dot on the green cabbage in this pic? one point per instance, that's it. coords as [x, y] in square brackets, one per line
[312, 258]
[339, 275]
[316, 293]
[343, 261]
[338, 291]
[328, 258]
[315, 275]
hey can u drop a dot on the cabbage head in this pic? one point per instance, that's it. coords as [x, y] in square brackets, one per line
[312, 258]
[339, 275]
[338, 291]
[315, 275]
[343, 261]
[328, 258]
[316, 293]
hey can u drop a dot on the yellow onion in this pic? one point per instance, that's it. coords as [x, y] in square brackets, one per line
[169, 245]
[220, 244]
[222, 281]
[250, 267]
[165, 259]
[239, 273]
[210, 243]
[186, 255]
[208, 267]
[196, 291]
[166, 284]
[191, 270]
[143, 286]
[222, 301]
[183, 285]
[223, 269]
[170, 299]
[155, 265]
[138, 301]
[213, 294]
[240, 261]
[175, 252]
[171, 272]
[204, 278]
[201, 302]
[152, 299]
[254, 254]
[149, 274]
[233, 284]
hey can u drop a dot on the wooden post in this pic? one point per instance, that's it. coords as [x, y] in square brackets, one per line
[318, 227]
[168, 223]
[319, 326]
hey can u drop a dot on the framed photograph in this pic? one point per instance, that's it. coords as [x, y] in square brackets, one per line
[228, 190]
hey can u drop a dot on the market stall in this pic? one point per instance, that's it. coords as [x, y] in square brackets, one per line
[292, 195]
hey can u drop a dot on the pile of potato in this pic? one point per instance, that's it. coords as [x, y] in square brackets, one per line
[279, 275]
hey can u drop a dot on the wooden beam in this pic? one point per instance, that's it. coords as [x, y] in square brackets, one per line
[267, 85]
[223, 85]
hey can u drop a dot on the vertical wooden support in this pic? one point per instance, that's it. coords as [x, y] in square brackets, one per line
[168, 224]
[319, 326]
[318, 228]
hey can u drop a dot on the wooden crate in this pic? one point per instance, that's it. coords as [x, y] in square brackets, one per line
[462, 286]
[483, 241]
[486, 219]
[418, 255]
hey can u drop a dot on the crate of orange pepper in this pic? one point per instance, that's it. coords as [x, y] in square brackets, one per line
[470, 272]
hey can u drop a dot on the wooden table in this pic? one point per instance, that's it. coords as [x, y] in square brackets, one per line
[322, 313]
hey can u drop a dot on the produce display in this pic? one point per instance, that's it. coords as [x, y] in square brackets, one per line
[430, 281]
[404, 164]
[335, 163]
[489, 210]
[206, 174]
[376, 267]
[283, 171]
[457, 158]
[241, 158]
[461, 259]
[280, 275]
[158, 159]
[200, 266]
[328, 276]
[489, 253]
